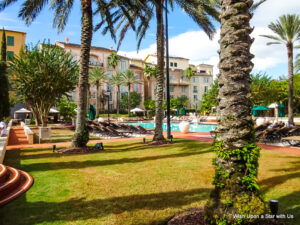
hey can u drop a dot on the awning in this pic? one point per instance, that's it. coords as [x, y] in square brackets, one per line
[137, 110]
[23, 110]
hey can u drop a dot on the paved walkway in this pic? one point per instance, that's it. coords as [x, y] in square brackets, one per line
[204, 136]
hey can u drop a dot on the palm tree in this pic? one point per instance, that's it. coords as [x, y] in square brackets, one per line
[287, 30]
[30, 10]
[113, 60]
[128, 79]
[189, 72]
[200, 11]
[97, 76]
[236, 191]
[149, 73]
[117, 81]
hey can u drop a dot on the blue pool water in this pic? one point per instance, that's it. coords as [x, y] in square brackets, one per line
[175, 126]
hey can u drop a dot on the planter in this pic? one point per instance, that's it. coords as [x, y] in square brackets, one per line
[184, 127]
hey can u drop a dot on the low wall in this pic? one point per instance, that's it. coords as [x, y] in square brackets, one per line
[4, 142]
[29, 133]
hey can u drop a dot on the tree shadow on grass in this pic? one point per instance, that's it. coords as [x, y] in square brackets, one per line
[81, 209]
[268, 183]
[290, 204]
[95, 163]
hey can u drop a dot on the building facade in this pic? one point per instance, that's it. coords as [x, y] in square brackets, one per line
[193, 88]
[108, 92]
[15, 41]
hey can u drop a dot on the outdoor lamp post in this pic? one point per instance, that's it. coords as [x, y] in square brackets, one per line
[167, 75]
[108, 95]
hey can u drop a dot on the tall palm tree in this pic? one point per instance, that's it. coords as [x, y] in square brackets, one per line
[128, 79]
[62, 8]
[189, 73]
[236, 191]
[113, 60]
[287, 30]
[200, 11]
[117, 81]
[97, 76]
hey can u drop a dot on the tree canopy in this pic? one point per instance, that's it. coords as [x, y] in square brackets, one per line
[43, 76]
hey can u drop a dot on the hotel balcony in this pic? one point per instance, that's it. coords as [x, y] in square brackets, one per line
[95, 64]
[179, 82]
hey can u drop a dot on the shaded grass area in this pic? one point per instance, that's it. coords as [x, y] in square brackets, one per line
[60, 135]
[132, 183]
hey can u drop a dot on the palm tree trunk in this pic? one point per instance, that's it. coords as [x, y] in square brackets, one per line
[118, 99]
[81, 136]
[97, 99]
[158, 133]
[128, 99]
[291, 83]
[236, 191]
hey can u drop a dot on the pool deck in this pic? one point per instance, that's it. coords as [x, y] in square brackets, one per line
[199, 136]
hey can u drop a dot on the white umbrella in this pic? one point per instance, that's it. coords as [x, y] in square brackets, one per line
[53, 111]
[137, 110]
[23, 110]
[273, 106]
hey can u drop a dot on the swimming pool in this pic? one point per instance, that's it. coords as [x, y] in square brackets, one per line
[175, 126]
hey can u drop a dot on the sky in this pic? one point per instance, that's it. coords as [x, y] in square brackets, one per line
[186, 39]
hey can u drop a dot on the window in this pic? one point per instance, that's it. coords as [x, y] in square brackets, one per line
[123, 65]
[110, 96]
[109, 87]
[171, 88]
[110, 73]
[93, 61]
[123, 89]
[136, 76]
[183, 89]
[202, 71]
[10, 41]
[205, 89]
[175, 64]
[195, 79]
[172, 77]
[136, 87]
[9, 55]
[195, 89]
[94, 95]
[183, 78]
[195, 98]
[171, 63]
[206, 79]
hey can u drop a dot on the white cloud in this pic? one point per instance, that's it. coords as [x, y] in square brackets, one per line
[196, 46]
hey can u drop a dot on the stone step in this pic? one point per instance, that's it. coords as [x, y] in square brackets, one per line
[3, 173]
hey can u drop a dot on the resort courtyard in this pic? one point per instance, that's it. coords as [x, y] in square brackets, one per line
[134, 183]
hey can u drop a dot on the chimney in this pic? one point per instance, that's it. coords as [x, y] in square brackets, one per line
[67, 40]
[111, 48]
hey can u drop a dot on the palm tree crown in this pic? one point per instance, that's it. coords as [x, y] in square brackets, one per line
[113, 60]
[287, 30]
[189, 72]
[97, 74]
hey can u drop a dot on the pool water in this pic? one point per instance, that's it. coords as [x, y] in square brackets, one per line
[175, 126]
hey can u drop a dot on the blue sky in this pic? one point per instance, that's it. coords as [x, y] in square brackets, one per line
[186, 38]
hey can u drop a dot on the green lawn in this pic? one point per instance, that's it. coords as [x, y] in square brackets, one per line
[131, 183]
[60, 135]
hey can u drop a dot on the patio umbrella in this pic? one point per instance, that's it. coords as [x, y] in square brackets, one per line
[281, 110]
[254, 112]
[53, 111]
[177, 111]
[137, 110]
[92, 113]
[183, 111]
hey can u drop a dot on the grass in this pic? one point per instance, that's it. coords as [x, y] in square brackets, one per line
[131, 183]
[60, 135]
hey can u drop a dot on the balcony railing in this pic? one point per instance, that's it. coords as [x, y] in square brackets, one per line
[96, 64]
